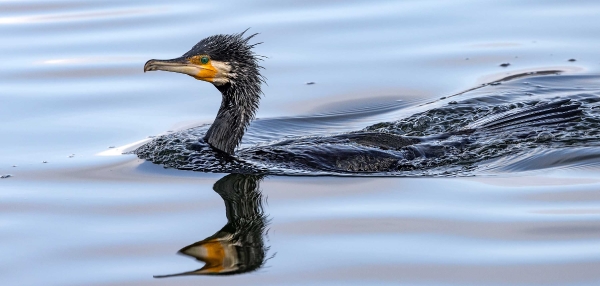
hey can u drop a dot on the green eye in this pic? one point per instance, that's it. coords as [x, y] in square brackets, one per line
[204, 60]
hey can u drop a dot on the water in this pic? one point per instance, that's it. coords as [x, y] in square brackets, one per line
[72, 86]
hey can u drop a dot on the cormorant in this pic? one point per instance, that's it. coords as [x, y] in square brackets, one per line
[229, 63]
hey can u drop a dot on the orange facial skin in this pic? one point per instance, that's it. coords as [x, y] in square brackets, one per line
[207, 71]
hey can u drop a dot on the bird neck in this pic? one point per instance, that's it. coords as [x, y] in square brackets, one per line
[238, 108]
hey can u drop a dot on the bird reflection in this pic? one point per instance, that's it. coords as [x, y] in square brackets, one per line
[238, 247]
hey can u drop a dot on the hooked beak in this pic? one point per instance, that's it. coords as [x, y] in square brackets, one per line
[179, 65]
[206, 72]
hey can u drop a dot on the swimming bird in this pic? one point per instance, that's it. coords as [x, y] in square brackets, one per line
[230, 64]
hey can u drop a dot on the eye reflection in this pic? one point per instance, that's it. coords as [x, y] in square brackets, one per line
[238, 247]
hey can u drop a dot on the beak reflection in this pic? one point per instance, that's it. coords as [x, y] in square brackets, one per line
[238, 247]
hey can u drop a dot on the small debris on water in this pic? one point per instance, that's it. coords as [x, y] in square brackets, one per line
[310, 83]
[44, 162]
[5, 176]
[14, 166]
[110, 147]
[72, 155]
[572, 60]
[505, 65]
[443, 97]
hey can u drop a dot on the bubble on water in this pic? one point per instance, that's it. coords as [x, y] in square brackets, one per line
[544, 136]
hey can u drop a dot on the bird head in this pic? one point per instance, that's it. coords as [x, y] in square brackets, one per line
[228, 62]
[218, 59]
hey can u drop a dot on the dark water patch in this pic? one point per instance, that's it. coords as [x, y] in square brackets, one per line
[376, 150]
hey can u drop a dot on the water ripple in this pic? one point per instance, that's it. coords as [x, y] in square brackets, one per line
[80, 16]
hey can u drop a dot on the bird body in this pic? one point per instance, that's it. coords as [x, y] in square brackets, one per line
[228, 62]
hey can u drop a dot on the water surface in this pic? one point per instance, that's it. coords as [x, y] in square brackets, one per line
[72, 86]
